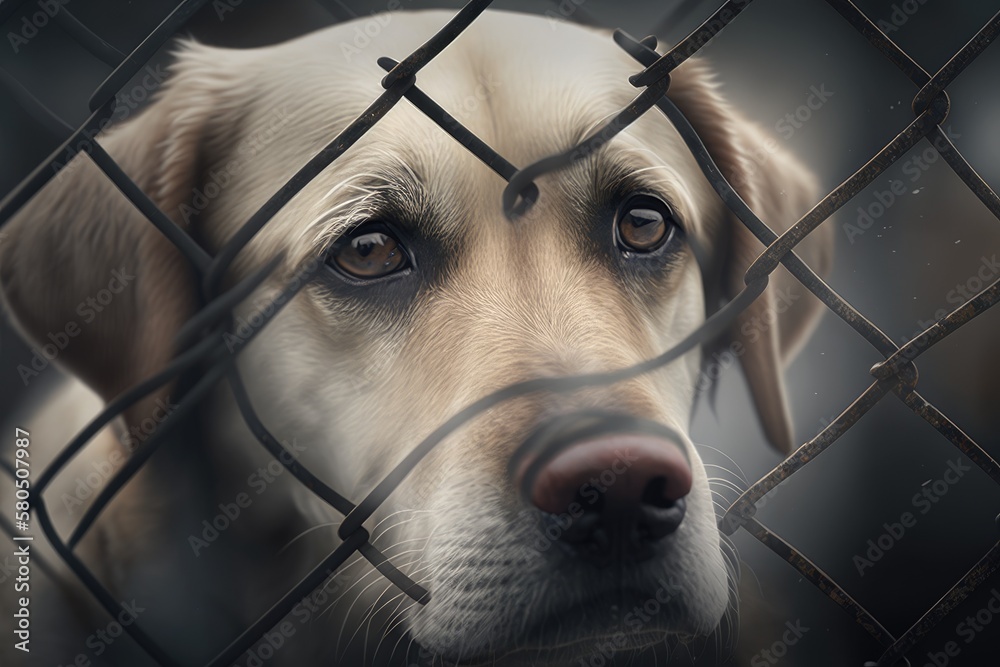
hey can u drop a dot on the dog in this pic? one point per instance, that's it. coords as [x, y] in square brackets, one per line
[426, 298]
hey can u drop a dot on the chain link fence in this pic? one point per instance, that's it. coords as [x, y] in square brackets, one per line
[201, 342]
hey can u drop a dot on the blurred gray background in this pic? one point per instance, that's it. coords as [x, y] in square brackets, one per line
[934, 240]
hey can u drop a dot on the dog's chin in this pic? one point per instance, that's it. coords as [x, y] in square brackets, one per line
[619, 625]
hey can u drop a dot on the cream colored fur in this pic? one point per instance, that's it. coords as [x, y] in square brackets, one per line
[358, 383]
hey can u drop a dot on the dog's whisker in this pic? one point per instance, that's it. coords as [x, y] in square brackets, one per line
[400, 617]
[736, 474]
[395, 545]
[347, 615]
[397, 513]
[409, 647]
[726, 483]
[393, 621]
[402, 635]
[371, 619]
[306, 532]
[742, 474]
[721, 500]
[395, 526]
[423, 581]
[723, 495]
[734, 480]
[378, 534]
[720, 497]
[756, 579]
[365, 619]
[336, 601]
[402, 553]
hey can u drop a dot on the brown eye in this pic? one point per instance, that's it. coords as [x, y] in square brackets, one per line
[369, 252]
[644, 224]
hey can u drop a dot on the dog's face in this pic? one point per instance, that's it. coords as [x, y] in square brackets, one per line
[430, 298]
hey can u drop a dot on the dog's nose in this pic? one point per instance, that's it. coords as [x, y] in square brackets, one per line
[609, 486]
[621, 473]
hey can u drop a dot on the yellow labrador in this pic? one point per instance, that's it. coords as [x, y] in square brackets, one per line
[428, 299]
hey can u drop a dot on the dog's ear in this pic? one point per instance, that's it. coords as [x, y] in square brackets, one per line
[779, 190]
[90, 281]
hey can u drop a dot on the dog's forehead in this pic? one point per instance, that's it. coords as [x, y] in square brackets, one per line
[528, 86]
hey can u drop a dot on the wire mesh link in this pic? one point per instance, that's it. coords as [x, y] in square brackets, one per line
[819, 579]
[201, 340]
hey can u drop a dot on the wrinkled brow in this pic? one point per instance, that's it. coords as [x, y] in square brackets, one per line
[621, 169]
[386, 191]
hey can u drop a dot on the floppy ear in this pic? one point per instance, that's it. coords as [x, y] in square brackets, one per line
[91, 282]
[779, 189]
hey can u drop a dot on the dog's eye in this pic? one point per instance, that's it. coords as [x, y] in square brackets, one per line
[368, 252]
[644, 223]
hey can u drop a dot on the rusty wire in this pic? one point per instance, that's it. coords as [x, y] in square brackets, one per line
[200, 342]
